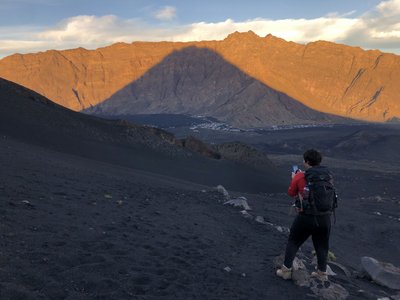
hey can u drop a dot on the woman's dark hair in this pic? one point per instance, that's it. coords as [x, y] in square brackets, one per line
[312, 157]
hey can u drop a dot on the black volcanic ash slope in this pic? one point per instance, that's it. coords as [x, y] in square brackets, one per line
[31, 118]
[198, 81]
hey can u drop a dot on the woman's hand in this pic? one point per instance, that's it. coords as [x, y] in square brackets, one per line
[294, 173]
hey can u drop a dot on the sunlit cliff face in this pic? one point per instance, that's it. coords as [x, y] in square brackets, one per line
[327, 77]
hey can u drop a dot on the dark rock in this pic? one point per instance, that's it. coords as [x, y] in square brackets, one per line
[328, 290]
[198, 146]
[244, 154]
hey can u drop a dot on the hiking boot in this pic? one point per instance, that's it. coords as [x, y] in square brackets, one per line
[284, 272]
[323, 276]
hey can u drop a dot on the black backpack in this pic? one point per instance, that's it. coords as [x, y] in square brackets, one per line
[321, 197]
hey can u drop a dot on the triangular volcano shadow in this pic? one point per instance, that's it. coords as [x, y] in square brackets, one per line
[198, 81]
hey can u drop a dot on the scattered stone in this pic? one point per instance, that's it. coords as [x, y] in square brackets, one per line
[382, 273]
[107, 196]
[45, 260]
[300, 274]
[120, 202]
[227, 269]
[28, 204]
[396, 297]
[223, 191]
[203, 191]
[246, 214]
[260, 219]
[342, 268]
[298, 264]
[243, 274]
[239, 202]
[377, 213]
[378, 199]
[282, 229]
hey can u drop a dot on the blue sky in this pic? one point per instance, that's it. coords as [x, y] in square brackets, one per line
[37, 25]
[48, 12]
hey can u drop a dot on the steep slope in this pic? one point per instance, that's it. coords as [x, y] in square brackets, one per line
[33, 119]
[328, 77]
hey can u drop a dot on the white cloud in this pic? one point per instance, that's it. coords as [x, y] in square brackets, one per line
[166, 14]
[377, 29]
[83, 29]
[297, 30]
[12, 46]
[388, 8]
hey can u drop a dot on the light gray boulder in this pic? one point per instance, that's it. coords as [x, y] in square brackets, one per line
[240, 202]
[260, 219]
[382, 273]
[300, 275]
[223, 191]
[246, 214]
[341, 268]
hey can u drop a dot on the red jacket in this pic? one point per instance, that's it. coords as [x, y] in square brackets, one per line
[297, 185]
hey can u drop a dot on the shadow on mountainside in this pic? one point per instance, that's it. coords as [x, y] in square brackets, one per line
[198, 81]
[33, 119]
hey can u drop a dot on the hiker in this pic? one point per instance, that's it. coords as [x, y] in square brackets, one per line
[315, 199]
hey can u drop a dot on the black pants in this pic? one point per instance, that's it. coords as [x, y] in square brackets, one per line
[319, 227]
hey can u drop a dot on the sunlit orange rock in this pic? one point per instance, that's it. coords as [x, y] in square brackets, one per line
[328, 77]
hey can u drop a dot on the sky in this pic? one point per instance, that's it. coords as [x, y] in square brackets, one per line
[28, 26]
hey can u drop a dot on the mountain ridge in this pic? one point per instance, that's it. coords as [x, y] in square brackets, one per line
[327, 77]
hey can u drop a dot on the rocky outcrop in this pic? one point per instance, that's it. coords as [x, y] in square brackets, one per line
[244, 154]
[326, 77]
[193, 144]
